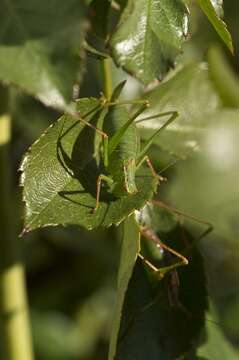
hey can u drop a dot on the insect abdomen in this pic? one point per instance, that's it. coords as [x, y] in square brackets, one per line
[127, 148]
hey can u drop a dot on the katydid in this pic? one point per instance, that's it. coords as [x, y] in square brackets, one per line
[122, 155]
[120, 152]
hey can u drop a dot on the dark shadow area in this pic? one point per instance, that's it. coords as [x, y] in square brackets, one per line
[85, 162]
[36, 20]
[154, 324]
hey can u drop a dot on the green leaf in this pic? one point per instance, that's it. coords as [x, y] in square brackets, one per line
[60, 172]
[212, 9]
[224, 78]
[129, 251]
[149, 36]
[150, 325]
[216, 346]
[230, 314]
[218, 6]
[40, 44]
[207, 185]
[192, 94]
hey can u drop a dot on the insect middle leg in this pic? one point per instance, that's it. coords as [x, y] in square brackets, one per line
[150, 165]
[142, 157]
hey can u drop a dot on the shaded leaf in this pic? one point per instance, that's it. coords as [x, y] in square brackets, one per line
[216, 346]
[192, 94]
[40, 44]
[150, 325]
[213, 10]
[230, 314]
[149, 36]
[207, 185]
[224, 78]
[129, 251]
[60, 172]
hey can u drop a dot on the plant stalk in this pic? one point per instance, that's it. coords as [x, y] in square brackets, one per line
[14, 322]
[107, 78]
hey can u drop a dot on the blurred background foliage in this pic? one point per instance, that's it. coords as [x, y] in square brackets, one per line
[71, 273]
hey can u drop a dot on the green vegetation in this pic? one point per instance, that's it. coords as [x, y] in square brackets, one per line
[123, 117]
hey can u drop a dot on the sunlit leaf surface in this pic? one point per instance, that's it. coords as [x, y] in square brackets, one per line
[60, 172]
[149, 36]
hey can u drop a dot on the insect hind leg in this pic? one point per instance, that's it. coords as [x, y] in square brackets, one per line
[182, 214]
[150, 235]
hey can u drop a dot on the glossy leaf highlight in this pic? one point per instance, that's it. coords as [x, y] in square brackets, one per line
[149, 36]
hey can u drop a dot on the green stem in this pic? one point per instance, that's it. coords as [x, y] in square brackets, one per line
[14, 323]
[107, 78]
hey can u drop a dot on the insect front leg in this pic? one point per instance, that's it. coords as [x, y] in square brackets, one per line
[101, 178]
[103, 135]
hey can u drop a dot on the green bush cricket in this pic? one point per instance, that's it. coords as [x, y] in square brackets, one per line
[121, 153]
